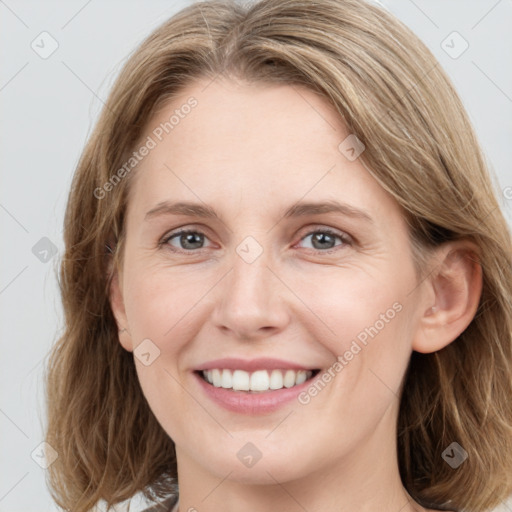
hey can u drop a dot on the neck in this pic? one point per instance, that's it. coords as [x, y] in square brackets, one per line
[366, 479]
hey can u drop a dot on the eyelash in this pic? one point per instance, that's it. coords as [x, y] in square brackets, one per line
[346, 239]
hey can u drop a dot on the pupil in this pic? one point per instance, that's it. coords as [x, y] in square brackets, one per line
[322, 238]
[188, 238]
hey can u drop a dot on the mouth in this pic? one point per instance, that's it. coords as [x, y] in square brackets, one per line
[255, 382]
[254, 386]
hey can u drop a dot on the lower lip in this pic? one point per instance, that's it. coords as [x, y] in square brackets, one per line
[245, 402]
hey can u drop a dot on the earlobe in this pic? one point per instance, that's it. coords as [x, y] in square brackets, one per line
[456, 285]
[118, 309]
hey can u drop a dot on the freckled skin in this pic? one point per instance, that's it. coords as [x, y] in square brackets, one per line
[251, 151]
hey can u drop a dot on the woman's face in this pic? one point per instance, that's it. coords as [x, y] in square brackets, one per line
[269, 281]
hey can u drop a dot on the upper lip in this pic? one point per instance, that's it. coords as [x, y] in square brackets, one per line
[250, 365]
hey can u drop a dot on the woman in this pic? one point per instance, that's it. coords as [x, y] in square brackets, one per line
[287, 280]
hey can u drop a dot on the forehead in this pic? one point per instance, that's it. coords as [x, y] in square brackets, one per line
[253, 145]
[233, 119]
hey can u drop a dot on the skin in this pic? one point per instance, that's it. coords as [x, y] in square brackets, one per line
[250, 151]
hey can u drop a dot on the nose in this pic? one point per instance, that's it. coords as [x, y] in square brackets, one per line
[250, 303]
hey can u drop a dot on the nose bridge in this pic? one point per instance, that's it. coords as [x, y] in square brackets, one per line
[250, 277]
[251, 300]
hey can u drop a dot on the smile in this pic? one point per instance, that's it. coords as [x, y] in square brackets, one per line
[253, 386]
[258, 381]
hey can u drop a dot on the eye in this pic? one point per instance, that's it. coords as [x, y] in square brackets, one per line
[324, 240]
[189, 240]
[185, 240]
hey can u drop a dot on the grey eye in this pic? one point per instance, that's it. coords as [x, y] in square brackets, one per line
[321, 240]
[187, 240]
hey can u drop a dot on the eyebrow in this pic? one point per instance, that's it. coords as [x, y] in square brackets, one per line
[299, 209]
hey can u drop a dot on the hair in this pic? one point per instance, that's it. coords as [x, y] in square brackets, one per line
[420, 146]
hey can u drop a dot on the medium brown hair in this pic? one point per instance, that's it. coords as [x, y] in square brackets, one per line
[420, 146]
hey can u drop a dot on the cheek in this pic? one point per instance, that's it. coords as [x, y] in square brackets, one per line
[165, 394]
[160, 303]
[352, 304]
[363, 317]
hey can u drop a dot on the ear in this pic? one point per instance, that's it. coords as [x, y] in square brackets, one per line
[453, 293]
[117, 305]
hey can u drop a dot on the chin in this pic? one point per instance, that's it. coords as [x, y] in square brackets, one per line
[262, 469]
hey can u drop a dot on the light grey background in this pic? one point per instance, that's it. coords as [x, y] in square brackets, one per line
[48, 109]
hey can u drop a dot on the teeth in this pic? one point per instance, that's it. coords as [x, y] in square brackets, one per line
[301, 377]
[276, 380]
[241, 380]
[216, 378]
[260, 380]
[289, 379]
[226, 380]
